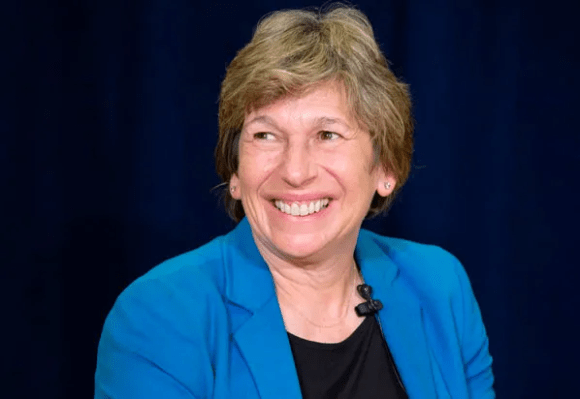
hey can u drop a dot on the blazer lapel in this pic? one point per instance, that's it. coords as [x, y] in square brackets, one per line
[268, 354]
[401, 318]
[257, 325]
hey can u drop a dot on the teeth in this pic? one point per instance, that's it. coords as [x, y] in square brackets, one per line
[295, 209]
[302, 209]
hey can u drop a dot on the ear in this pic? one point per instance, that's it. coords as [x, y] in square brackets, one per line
[235, 191]
[386, 183]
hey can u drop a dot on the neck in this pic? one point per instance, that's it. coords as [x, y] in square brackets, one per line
[322, 297]
[318, 285]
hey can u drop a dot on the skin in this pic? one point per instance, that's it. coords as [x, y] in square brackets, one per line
[310, 146]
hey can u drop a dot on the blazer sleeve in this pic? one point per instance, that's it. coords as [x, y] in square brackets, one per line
[474, 342]
[144, 351]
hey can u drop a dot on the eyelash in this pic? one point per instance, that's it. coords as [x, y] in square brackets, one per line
[261, 135]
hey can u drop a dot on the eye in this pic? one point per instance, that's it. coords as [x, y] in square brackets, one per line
[326, 135]
[263, 136]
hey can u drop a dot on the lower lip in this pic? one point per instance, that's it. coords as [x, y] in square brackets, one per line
[307, 218]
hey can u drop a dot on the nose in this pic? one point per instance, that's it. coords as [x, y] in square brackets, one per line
[298, 167]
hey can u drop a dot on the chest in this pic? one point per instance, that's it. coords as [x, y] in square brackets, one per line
[255, 360]
[283, 373]
[360, 366]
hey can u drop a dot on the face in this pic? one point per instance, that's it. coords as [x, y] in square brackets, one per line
[306, 175]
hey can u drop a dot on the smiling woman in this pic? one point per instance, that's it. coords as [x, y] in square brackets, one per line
[315, 135]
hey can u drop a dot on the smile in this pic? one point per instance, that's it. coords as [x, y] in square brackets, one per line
[302, 208]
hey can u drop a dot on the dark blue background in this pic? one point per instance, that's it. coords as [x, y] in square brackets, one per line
[109, 119]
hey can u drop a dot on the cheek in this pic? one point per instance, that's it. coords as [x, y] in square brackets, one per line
[255, 166]
[349, 166]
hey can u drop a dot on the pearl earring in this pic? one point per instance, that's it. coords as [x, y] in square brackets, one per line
[387, 185]
[233, 188]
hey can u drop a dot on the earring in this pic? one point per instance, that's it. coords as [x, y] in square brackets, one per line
[233, 188]
[387, 185]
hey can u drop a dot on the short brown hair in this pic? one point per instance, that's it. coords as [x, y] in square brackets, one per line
[291, 52]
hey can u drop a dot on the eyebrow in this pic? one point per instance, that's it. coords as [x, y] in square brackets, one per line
[320, 121]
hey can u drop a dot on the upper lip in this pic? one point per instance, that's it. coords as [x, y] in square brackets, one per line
[289, 198]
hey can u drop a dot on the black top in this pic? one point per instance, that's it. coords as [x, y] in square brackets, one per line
[359, 367]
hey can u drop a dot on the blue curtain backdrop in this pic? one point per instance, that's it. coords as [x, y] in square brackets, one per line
[109, 119]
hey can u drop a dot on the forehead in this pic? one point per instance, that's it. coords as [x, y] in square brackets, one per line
[325, 104]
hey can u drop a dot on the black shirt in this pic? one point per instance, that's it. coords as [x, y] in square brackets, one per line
[359, 367]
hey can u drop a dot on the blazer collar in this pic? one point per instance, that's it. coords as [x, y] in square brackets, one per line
[259, 331]
[249, 283]
[257, 324]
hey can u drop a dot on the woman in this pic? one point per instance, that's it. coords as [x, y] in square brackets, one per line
[315, 135]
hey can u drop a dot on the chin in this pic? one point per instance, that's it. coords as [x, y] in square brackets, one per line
[298, 245]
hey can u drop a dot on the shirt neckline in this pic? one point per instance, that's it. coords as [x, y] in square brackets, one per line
[334, 345]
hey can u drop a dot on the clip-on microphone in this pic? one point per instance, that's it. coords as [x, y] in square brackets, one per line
[371, 305]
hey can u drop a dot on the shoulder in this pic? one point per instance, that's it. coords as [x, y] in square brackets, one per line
[164, 324]
[170, 301]
[428, 269]
[188, 276]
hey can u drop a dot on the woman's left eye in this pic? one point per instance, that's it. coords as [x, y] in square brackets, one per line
[326, 135]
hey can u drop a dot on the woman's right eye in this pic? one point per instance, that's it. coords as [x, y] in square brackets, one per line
[263, 136]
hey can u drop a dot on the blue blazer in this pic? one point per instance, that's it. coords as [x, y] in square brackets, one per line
[207, 324]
